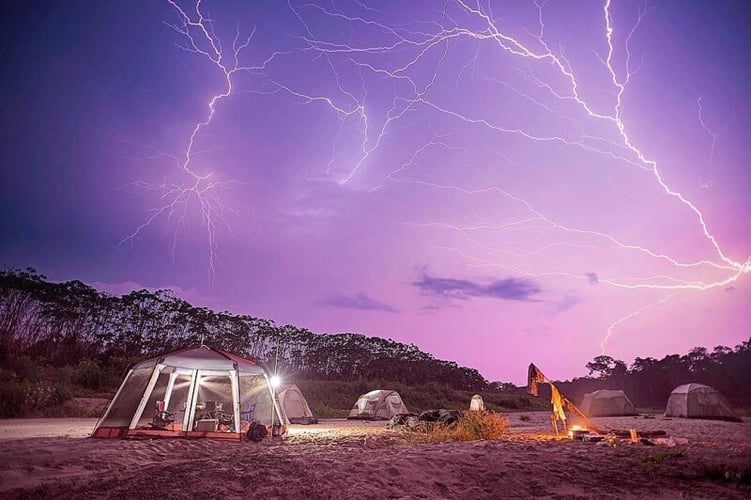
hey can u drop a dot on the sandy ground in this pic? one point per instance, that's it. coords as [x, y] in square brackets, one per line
[53, 458]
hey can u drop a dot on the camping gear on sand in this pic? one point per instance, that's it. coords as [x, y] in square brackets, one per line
[607, 403]
[380, 404]
[194, 392]
[442, 416]
[699, 401]
[426, 420]
[256, 432]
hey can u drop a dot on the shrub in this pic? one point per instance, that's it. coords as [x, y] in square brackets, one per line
[12, 394]
[471, 426]
[89, 374]
[726, 472]
[659, 456]
[26, 368]
[41, 395]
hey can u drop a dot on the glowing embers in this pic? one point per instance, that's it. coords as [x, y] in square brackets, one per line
[577, 431]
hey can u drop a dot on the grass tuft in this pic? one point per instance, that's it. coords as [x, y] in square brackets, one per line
[471, 426]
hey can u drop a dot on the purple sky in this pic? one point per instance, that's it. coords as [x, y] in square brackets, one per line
[449, 174]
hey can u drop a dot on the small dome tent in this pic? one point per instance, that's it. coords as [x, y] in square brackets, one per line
[294, 407]
[607, 403]
[699, 401]
[194, 392]
[476, 403]
[378, 404]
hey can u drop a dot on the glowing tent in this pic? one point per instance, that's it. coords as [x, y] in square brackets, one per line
[378, 404]
[607, 403]
[699, 401]
[294, 407]
[195, 392]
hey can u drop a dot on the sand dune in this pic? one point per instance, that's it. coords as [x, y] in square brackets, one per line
[51, 458]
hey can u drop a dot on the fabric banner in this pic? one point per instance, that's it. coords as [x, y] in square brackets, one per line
[534, 377]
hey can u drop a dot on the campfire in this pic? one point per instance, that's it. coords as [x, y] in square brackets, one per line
[576, 431]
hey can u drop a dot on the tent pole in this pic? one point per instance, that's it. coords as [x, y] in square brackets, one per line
[235, 384]
[146, 395]
[190, 405]
[170, 386]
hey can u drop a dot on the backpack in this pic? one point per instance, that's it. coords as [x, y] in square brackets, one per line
[256, 431]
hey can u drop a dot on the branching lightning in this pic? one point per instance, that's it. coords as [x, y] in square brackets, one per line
[201, 189]
[624, 150]
[414, 60]
[627, 317]
[713, 135]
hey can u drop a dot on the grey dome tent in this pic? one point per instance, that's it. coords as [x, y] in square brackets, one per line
[378, 404]
[294, 407]
[194, 392]
[699, 401]
[607, 403]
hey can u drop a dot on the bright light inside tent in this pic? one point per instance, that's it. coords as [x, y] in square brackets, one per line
[275, 381]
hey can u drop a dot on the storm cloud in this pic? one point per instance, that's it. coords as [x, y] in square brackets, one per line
[504, 289]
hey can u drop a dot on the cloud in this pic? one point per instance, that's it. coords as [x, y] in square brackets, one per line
[566, 302]
[505, 289]
[358, 301]
[592, 278]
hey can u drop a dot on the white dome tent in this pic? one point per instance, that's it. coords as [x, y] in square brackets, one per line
[294, 406]
[194, 392]
[378, 405]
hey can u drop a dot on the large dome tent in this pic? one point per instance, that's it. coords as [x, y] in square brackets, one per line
[607, 403]
[194, 392]
[699, 401]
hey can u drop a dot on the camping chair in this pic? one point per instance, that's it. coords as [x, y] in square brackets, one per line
[248, 414]
[246, 417]
[162, 419]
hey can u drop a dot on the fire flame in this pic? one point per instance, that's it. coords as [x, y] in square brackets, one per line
[573, 428]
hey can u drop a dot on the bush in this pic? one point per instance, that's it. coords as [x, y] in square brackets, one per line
[726, 472]
[471, 426]
[89, 374]
[26, 368]
[12, 395]
[41, 395]
[19, 398]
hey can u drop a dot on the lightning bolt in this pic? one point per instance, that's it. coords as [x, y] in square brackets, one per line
[713, 135]
[628, 317]
[462, 20]
[412, 60]
[201, 189]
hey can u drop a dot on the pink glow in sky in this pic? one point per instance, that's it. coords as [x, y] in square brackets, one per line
[496, 182]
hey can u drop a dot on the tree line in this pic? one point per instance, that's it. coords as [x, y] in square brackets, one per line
[73, 324]
[648, 382]
[66, 324]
